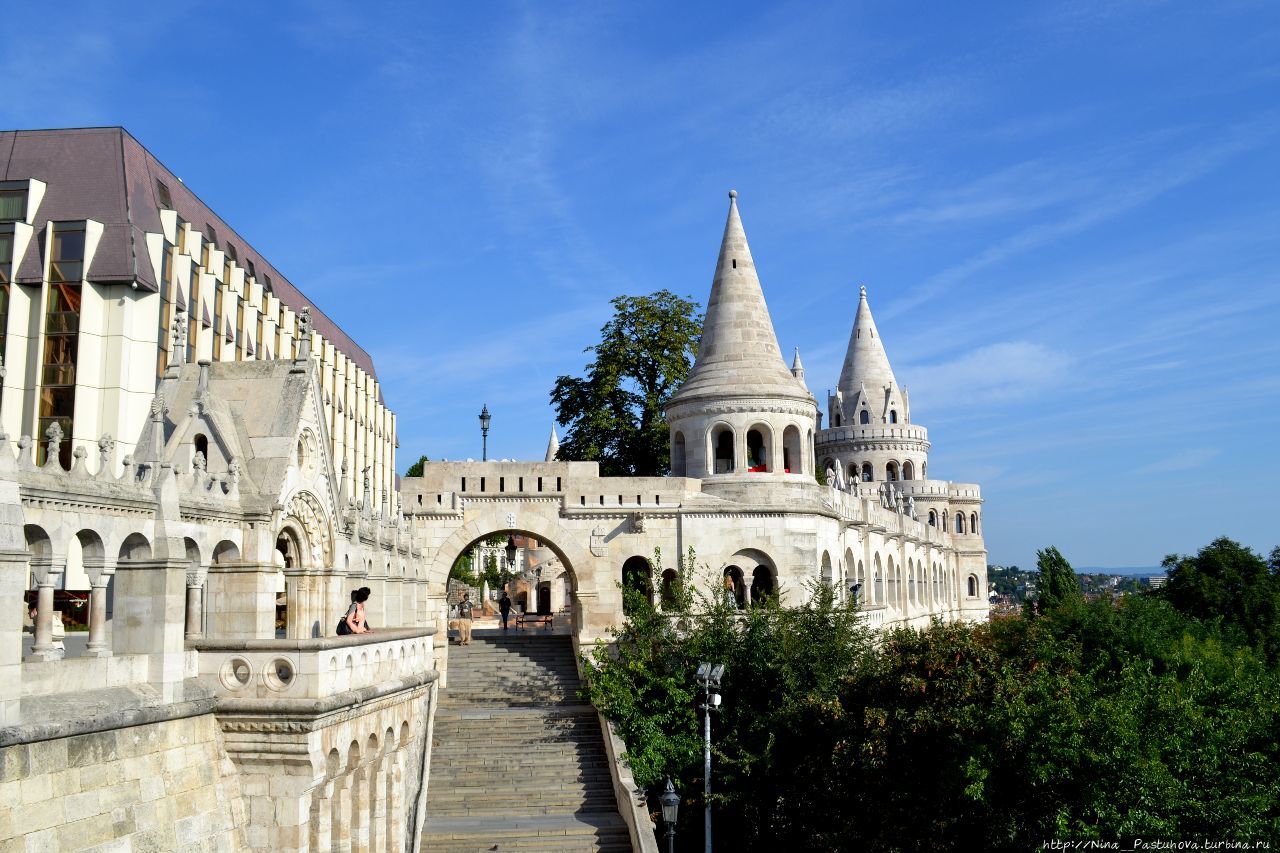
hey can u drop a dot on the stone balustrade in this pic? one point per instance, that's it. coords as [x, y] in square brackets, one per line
[314, 668]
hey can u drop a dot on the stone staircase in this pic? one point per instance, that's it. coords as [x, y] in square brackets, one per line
[518, 760]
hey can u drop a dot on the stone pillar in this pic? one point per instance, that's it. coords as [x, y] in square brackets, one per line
[340, 827]
[360, 809]
[298, 617]
[47, 577]
[196, 575]
[396, 828]
[378, 805]
[393, 591]
[322, 818]
[99, 646]
[150, 614]
[241, 601]
[13, 586]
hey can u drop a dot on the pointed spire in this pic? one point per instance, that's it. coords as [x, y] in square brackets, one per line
[739, 353]
[553, 445]
[866, 374]
[797, 369]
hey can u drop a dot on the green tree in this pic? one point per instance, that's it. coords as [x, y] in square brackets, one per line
[1229, 585]
[415, 470]
[614, 415]
[1059, 586]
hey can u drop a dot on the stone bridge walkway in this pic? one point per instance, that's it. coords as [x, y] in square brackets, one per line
[518, 761]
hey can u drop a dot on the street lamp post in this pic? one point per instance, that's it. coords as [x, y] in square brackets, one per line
[709, 676]
[670, 811]
[484, 433]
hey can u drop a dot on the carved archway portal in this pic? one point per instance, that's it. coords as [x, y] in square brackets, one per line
[305, 538]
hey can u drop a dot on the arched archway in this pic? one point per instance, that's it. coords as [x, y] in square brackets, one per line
[637, 576]
[792, 457]
[825, 569]
[585, 597]
[759, 449]
[721, 450]
[735, 587]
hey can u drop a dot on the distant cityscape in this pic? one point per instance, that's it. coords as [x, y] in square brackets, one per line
[1011, 586]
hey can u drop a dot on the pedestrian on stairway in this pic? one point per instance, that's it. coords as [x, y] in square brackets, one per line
[504, 605]
[464, 619]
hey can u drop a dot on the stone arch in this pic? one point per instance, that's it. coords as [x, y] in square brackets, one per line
[538, 522]
[735, 585]
[908, 470]
[637, 574]
[135, 546]
[225, 552]
[891, 472]
[933, 518]
[760, 448]
[721, 449]
[878, 579]
[973, 586]
[669, 591]
[959, 522]
[793, 458]
[864, 417]
[679, 455]
[313, 530]
[895, 585]
[973, 522]
[825, 569]
[868, 475]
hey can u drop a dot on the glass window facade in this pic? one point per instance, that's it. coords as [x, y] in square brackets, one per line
[13, 201]
[61, 338]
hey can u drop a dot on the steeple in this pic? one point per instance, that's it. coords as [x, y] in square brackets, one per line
[797, 369]
[866, 376]
[738, 354]
[553, 445]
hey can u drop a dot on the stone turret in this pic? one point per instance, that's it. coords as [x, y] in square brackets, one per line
[869, 434]
[741, 411]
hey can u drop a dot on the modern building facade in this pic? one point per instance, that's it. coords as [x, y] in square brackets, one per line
[111, 269]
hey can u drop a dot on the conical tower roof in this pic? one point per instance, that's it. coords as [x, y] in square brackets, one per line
[553, 445]
[865, 364]
[739, 354]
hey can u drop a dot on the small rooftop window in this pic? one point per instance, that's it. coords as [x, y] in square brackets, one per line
[162, 192]
[211, 233]
[231, 251]
[13, 201]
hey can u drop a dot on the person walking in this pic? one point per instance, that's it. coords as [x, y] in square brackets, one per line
[464, 619]
[504, 606]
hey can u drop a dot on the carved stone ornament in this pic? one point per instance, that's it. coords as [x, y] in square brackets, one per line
[637, 523]
[598, 547]
[511, 519]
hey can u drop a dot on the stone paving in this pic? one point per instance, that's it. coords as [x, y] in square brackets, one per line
[518, 760]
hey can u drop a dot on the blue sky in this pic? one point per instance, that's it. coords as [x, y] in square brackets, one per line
[1066, 215]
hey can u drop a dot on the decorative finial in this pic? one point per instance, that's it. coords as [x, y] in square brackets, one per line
[862, 291]
[733, 193]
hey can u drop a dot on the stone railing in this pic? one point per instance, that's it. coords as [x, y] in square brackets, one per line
[314, 668]
[874, 616]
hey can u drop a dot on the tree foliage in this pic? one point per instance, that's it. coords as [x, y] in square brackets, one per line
[1059, 586]
[416, 469]
[614, 415]
[1113, 719]
[1229, 585]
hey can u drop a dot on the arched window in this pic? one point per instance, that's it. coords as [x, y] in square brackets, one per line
[867, 476]
[792, 458]
[864, 417]
[722, 442]
[908, 471]
[735, 587]
[973, 522]
[853, 473]
[757, 450]
[826, 569]
[959, 522]
[973, 586]
[678, 463]
[893, 416]
[636, 576]
[891, 472]
[670, 582]
[933, 518]
[761, 585]
[202, 446]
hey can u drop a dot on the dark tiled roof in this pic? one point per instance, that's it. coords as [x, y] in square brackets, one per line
[104, 174]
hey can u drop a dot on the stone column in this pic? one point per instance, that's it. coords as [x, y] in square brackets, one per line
[150, 614]
[99, 646]
[196, 575]
[241, 601]
[13, 585]
[340, 829]
[360, 809]
[322, 803]
[47, 577]
[378, 806]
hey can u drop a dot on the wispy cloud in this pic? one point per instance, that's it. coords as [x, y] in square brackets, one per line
[996, 373]
[1188, 459]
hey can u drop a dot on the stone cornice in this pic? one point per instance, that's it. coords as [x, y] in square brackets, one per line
[742, 405]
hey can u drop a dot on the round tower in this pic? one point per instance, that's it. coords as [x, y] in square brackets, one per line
[870, 436]
[741, 413]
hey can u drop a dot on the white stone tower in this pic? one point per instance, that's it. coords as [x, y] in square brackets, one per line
[741, 413]
[870, 436]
